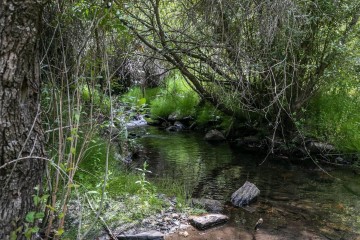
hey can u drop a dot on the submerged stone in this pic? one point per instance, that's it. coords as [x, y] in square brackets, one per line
[150, 235]
[214, 135]
[207, 221]
[245, 195]
[210, 205]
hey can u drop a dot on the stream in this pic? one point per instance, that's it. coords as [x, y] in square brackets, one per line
[295, 202]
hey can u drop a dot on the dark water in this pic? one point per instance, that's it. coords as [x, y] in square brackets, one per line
[292, 199]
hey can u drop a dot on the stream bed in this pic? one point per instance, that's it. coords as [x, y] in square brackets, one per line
[295, 202]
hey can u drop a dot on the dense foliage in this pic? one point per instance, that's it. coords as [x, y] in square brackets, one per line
[267, 57]
[287, 67]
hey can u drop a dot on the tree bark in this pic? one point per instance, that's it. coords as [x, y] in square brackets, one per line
[21, 135]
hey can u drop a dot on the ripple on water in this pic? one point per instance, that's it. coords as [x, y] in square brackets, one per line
[292, 198]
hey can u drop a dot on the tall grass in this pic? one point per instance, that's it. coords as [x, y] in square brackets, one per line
[175, 97]
[136, 95]
[334, 116]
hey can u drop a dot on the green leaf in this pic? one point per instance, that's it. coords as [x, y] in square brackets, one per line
[61, 215]
[44, 197]
[30, 217]
[13, 235]
[59, 232]
[36, 200]
[39, 215]
[51, 208]
[77, 116]
[141, 101]
[62, 166]
[34, 229]
[73, 150]
[74, 185]
[28, 233]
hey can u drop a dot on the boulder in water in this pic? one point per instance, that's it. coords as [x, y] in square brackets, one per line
[245, 195]
[214, 135]
[153, 235]
[207, 221]
[212, 206]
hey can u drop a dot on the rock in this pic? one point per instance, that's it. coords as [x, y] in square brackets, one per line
[214, 135]
[178, 126]
[139, 121]
[319, 147]
[184, 234]
[172, 129]
[212, 206]
[207, 221]
[175, 215]
[173, 116]
[245, 195]
[150, 235]
[250, 143]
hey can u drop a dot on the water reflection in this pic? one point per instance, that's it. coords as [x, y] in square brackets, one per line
[292, 198]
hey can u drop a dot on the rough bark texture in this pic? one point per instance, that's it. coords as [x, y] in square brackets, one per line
[20, 128]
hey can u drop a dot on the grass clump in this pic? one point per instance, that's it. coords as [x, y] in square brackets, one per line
[175, 97]
[135, 96]
[334, 116]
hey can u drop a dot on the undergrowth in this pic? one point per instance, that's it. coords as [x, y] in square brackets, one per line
[334, 116]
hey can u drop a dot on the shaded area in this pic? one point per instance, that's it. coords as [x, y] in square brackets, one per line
[293, 199]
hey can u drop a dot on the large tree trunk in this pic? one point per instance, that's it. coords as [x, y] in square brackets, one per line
[21, 136]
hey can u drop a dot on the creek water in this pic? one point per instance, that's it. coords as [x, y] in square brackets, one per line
[296, 202]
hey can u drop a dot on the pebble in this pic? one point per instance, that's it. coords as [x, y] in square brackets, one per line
[185, 233]
[175, 215]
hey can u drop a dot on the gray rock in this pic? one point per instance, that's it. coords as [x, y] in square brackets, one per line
[214, 135]
[212, 206]
[172, 129]
[207, 221]
[319, 147]
[173, 116]
[179, 125]
[150, 235]
[138, 122]
[245, 195]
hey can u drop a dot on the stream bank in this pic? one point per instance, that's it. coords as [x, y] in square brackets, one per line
[293, 198]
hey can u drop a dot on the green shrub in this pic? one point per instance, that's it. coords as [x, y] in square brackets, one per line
[100, 100]
[176, 97]
[207, 113]
[334, 116]
[135, 95]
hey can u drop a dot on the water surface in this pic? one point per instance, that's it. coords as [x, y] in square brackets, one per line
[293, 198]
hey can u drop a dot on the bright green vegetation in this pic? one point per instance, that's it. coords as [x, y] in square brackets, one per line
[175, 98]
[138, 96]
[283, 68]
[334, 116]
[129, 195]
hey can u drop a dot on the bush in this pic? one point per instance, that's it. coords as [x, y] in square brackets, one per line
[176, 97]
[135, 96]
[100, 100]
[334, 116]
